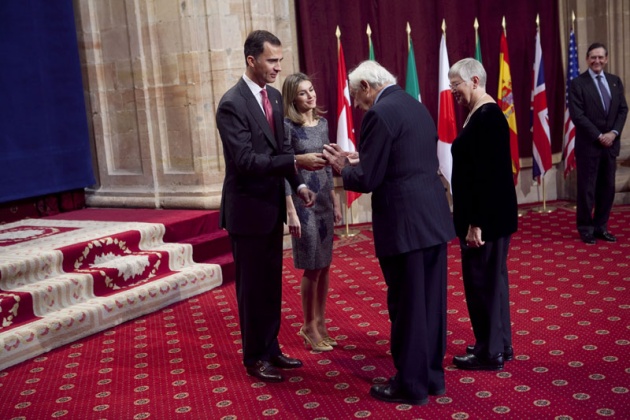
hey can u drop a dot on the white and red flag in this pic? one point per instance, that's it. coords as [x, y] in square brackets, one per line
[446, 126]
[345, 127]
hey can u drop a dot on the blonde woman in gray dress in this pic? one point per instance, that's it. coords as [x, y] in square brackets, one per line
[311, 228]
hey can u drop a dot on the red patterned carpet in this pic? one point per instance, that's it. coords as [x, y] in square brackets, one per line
[571, 316]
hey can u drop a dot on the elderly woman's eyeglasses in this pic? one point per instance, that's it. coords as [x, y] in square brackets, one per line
[453, 86]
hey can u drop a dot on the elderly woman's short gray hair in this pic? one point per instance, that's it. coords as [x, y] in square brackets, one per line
[466, 69]
[372, 72]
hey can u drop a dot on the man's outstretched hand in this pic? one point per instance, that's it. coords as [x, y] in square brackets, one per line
[338, 158]
[311, 161]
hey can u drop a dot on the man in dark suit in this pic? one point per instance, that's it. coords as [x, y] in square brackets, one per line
[397, 162]
[598, 108]
[257, 161]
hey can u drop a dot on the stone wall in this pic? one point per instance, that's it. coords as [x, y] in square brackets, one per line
[154, 71]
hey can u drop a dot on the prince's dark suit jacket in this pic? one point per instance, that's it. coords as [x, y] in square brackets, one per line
[253, 209]
[256, 162]
[589, 117]
[398, 153]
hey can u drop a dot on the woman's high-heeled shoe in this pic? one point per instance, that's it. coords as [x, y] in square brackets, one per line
[329, 340]
[321, 346]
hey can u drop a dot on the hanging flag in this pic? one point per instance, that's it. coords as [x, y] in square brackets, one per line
[506, 102]
[370, 46]
[411, 82]
[477, 42]
[345, 127]
[540, 117]
[573, 70]
[446, 126]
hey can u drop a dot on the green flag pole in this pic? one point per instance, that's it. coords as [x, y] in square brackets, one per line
[477, 42]
[371, 56]
[412, 86]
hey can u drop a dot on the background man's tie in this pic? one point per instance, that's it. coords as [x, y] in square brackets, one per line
[605, 94]
[268, 109]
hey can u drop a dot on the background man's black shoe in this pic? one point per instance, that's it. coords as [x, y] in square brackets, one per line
[388, 394]
[605, 236]
[472, 362]
[264, 371]
[508, 352]
[587, 238]
[284, 362]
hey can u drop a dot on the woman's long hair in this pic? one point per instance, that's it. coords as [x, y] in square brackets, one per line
[289, 93]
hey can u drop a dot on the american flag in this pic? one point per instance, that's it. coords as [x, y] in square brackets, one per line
[568, 144]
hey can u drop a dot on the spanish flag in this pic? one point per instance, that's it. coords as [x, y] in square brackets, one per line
[506, 102]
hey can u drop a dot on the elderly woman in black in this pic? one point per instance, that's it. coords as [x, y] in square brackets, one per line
[485, 215]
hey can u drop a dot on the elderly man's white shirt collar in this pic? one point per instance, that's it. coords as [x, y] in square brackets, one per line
[381, 92]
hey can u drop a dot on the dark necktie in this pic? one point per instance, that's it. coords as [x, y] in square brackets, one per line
[268, 109]
[604, 92]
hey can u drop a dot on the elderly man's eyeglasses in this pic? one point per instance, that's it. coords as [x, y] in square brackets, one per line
[453, 86]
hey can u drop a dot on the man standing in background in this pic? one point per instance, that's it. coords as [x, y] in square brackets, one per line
[598, 108]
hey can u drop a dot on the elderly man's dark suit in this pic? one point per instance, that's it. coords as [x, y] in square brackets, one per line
[412, 225]
[596, 164]
[253, 211]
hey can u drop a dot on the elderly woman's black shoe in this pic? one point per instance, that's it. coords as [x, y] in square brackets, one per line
[388, 393]
[473, 362]
[508, 352]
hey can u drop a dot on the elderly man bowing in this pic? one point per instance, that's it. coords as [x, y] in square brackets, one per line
[397, 163]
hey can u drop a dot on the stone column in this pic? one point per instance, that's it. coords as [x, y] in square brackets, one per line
[154, 72]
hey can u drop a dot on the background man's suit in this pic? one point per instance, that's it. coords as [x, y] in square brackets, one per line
[412, 224]
[596, 164]
[253, 210]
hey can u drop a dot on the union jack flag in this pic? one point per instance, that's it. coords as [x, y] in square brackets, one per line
[540, 117]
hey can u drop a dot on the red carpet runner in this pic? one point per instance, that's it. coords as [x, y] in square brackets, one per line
[571, 338]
